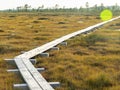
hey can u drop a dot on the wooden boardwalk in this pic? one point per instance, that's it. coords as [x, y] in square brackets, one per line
[33, 79]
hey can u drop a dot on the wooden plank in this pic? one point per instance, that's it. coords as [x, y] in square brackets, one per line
[37, 76]
[21, 86]
[32, 84]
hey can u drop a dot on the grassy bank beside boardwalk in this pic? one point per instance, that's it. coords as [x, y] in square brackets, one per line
[89, 62]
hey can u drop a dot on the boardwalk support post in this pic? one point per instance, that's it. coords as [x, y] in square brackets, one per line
[22, 52]
[64, 43]
[24, 86]
[21, 86]
[44, 54]
[17, 70]
[40, 69]
[54, 84]
[55, 48]
[12, 62]
[33, 61]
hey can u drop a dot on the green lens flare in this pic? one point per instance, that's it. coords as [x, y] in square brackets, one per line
[106, 15]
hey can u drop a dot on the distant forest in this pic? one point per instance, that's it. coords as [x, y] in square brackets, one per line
[95, 10]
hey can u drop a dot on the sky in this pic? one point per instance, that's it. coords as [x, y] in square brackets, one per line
[10, 4]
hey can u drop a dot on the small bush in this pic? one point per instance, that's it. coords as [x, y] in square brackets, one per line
[12, 16]
[12, 35]
[1, 30]
[92, 39]
[43, 18]
[97, 17]
[61, 23]
[35, 21]
[99, 81]
[117, 24]
[46, 34]
[2, 49]
[8, 49]
[78, 52]
[30, 26]
[40, 38]
[36, 31]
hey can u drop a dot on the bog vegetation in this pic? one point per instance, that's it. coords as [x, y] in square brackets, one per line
[89, 62]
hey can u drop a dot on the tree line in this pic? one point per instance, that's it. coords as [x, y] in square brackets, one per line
[94, 10]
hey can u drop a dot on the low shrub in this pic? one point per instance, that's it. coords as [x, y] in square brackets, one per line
[2, 49]
[12, 16]
[78, 52]
[8, 49]
[40, 38]
[97, 17]
[43, 18]
[61, 22]
[14, 36]
[1, 30]
[98, 82]
[35, 21]
[117, 24]
[92, 39]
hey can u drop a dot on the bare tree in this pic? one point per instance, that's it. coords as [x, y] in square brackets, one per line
[87, 6]
[56, 6]
[102, 6]
[87, 9]
[26, 7]
[18, 8]
[40, 7]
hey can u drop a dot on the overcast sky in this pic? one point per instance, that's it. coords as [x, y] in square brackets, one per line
[6, 4]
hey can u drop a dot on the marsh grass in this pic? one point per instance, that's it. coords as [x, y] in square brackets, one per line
[98, 82]
[88, 62]
[92, 39]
